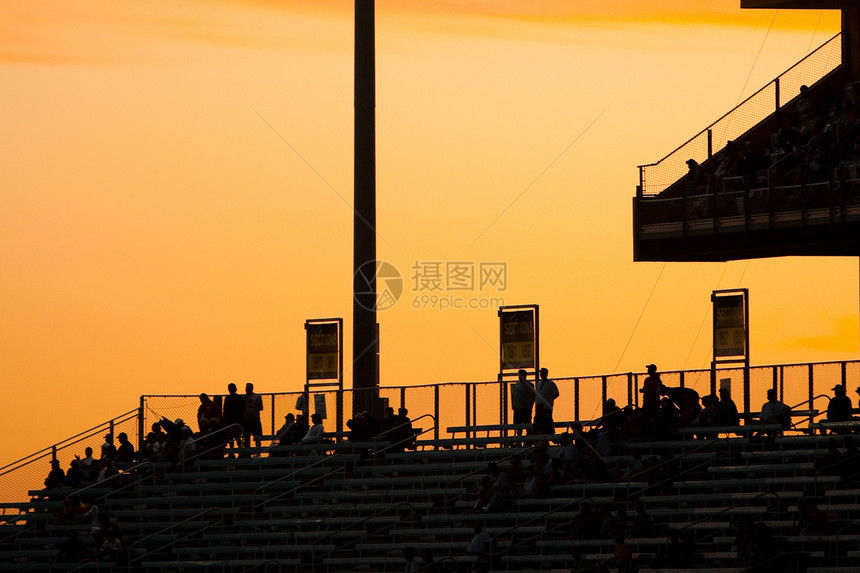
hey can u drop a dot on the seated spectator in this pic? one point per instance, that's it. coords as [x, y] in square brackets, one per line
[125, 451]
[641, 525]
[775, 412]
[811, 519]
[622, 556]
[315, 433]
[108, 449]
[839, 409]
[286, 434]
[74, 475]
[727, 411]
[72, 550]
[405, 435]
[585, 524]
[87, 463]
[56, 477]
[481, 544]
[187, 446]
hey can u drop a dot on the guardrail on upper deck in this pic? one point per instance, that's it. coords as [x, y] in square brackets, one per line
[655, 177]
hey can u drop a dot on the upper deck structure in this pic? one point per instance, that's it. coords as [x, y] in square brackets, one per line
[775, 176]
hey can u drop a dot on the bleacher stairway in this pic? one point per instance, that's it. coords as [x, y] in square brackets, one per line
[359, 512]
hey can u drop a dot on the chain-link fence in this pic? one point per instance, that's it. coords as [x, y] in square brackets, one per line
[805, 386]
[29, 473]
[655, 177]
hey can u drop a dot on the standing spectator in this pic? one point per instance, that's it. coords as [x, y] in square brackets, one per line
[839, 409]
[208, 415]
[651, 389]
[522, 400]
[543, 423]
[251, 416]
[546, 391]
[234, 411]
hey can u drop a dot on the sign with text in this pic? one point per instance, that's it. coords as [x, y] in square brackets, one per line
[518, 339]
[730, 325]
[323, 350]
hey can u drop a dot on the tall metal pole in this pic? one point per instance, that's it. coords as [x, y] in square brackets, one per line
[364, 332]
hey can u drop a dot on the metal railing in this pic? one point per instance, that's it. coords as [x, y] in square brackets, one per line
[654, 177]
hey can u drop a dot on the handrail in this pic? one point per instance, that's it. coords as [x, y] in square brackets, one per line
[344, 528]
[543, 517]
[481, 470]
[73, 440]
[710, 443]
[407, 439]
[811, 416]
[206, 526]
[287, 476]
[774, 81]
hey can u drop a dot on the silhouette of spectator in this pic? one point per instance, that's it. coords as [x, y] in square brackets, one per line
[543, 422]
[651, 389]
[481, 544]
[72, 550]
[641, 525]
[727, 411]
[125, 451]
[622, 555]
[56, 477]
[405, 433]
[286, 435]
[108, 449]
[811, 520]
[251, 416]
[522, 400]
[187, 446]
[358, 428]
[74, 475]
[839, 409]
[775, 412]
[545, 391]
[108, 540]
[414, 563]
[234, 412]
[208, 415]
[87, 463]
[315, 433]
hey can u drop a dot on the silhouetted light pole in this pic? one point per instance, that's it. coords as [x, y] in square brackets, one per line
[364, 330]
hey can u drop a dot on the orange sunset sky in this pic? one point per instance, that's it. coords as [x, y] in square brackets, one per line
[177, 179]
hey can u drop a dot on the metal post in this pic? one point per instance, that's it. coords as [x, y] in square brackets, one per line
[811, 386]
[140, 423]
[603, 392]
[365, 379]
[576, 399]
[630, 386]
[436, 411]
[776, 93]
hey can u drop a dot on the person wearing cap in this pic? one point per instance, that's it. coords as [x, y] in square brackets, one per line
[839, 409]
[546, 391]
[522, 400]
[651, 388]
